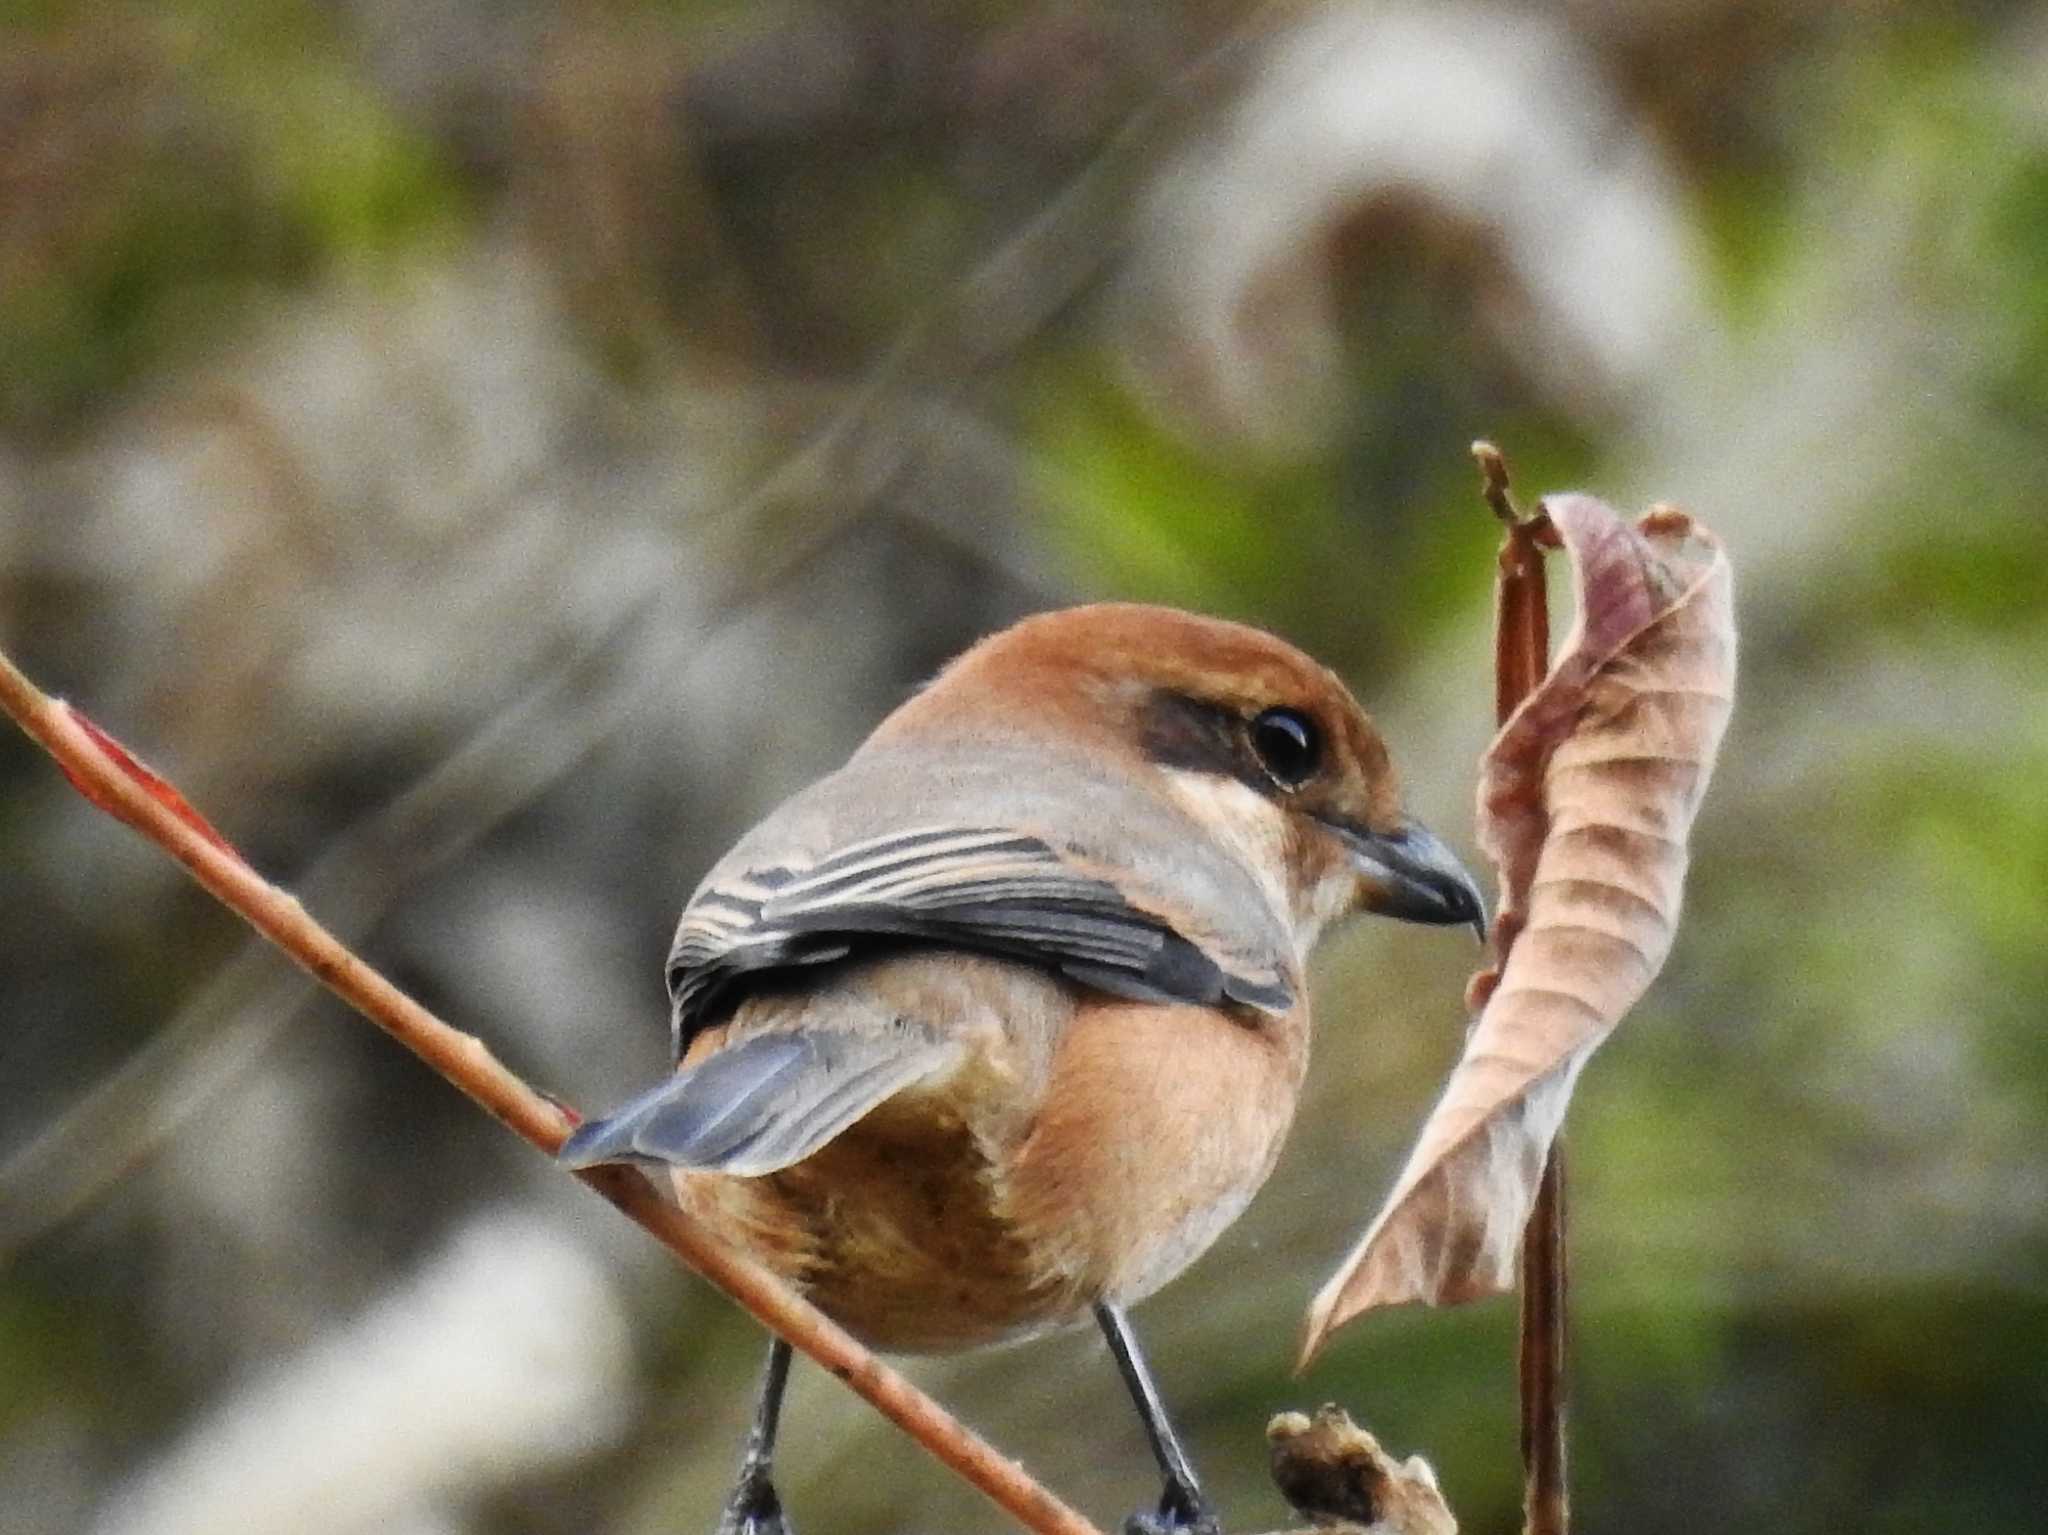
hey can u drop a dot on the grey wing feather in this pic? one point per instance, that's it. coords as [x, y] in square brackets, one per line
[984, 888]
[995, 845]
[761, 1103]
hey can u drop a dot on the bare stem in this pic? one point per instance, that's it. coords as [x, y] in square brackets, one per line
[1493, 481]
[1546, 1508]
[467, 1063]
[1521, 657]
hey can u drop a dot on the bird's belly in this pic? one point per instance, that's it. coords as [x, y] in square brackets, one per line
[896, 1231]
[952, 1216]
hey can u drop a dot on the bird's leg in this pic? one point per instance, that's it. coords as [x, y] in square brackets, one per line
[754, 1507]
[1182, 1508]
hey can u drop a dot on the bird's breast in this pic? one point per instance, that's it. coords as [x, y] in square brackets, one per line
[1159, 1125]
[1088, 1149]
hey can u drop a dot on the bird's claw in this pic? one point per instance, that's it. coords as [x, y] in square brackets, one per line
[754, 1508]
[1182, 1511]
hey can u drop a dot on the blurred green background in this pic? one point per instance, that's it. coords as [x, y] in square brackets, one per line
[489, 451]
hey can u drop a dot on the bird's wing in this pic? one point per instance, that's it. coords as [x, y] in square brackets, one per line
[993, 890]
[763, 1102]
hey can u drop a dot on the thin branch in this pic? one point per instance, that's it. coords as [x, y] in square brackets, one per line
[121, 787]
[558, 717]
[1544, 1333]
[1493, 482]
[1521, 657]
[229, 1020]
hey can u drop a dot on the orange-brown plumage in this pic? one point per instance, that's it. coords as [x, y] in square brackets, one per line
[1084, 1153]
[1004, 1022]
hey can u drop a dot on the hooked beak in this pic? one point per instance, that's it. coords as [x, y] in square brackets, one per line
[1412, 875]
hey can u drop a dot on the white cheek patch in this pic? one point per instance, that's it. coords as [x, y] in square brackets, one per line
[1244, 821]
[1255, 829]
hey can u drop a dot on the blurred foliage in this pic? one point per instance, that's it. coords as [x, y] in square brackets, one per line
[374, 373]
[1151, 518]
[167, 175]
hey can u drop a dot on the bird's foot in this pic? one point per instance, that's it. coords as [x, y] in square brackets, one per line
[754, 1508]
[1182, 1511]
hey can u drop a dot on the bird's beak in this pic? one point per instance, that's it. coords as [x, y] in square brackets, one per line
[1412, 875]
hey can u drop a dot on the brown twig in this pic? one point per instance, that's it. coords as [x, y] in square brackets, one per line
[117, 784]
[1546, 1505]
[1493, 482]
[1521, 657]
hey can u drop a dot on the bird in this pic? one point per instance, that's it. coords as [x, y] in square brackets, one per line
[994, 1029]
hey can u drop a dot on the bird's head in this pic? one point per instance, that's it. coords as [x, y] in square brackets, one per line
[1265, 749]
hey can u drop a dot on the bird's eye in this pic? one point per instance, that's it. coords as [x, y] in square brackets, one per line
[1288, 745]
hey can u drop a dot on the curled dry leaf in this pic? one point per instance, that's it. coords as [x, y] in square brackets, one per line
[1336, 1475]
[1585, 800]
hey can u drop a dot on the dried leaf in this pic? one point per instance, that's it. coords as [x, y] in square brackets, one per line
[1586, 798]
[1336, 1475]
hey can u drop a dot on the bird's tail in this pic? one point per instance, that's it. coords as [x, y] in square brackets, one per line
[761, 1103]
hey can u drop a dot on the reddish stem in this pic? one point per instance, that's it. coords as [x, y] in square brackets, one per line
[1521, 658]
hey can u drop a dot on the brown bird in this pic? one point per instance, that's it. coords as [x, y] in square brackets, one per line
[1001, 1024]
